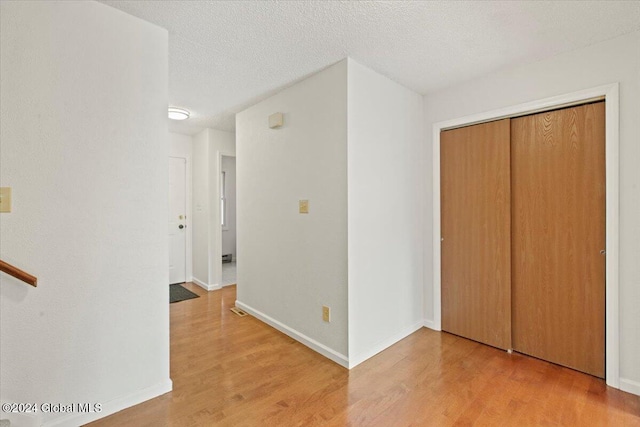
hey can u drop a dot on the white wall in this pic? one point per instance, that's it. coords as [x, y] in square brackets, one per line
[182, 146]
[83, 95]
[616, 60]
[229, 231]
[385, 212]
[200, 224]
[290, 263]
[208, 146]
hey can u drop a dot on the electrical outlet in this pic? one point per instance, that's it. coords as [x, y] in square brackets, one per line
[326, 313]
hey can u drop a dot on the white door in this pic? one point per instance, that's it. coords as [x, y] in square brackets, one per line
[177, 220]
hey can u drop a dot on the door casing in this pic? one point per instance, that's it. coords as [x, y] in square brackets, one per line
[179, 278]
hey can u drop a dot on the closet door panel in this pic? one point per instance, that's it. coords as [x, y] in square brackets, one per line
[475, 222]
[558, 231]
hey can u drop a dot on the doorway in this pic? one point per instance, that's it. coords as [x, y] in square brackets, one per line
[228, 219]
[177, 220]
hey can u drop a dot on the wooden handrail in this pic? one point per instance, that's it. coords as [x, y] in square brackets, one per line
[18, 274]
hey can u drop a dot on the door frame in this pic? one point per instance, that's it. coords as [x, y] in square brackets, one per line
[610, 93]
[217, 253]
[189, 234]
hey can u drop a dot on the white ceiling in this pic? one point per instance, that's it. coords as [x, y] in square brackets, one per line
[226, 55]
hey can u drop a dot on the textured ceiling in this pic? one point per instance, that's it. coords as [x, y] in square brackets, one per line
[227, 55]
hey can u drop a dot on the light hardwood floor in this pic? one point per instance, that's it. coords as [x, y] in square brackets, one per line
[237, 371]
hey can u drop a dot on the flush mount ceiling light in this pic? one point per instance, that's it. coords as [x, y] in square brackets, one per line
[178, 113]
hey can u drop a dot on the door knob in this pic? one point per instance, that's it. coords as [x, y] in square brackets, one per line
[181, 226]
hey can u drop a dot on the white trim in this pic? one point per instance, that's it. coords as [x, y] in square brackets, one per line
[612, 166]
[611, 95]
[383, 345]
[113, 406]
[630, 386]
[204, 286]
[189, 219]
[327, 352]
[429, 324]
[218, 235]
[188, 255]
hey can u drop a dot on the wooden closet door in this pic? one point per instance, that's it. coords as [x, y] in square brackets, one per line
[558, 231]
[475, 221]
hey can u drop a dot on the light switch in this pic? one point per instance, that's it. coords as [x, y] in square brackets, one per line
[326, 313]
[276, 120]
[304, 206]
[5, 199]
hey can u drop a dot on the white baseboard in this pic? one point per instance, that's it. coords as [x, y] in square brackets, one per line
[199, 283]
[630, 386]
[327, 352]
[355, 360]
[111, 407]
[228, 284]
[430, 324]
[206, 287]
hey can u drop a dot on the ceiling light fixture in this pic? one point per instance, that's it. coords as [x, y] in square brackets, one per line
[178, 113]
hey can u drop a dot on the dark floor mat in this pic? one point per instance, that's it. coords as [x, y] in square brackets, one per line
[179, 293]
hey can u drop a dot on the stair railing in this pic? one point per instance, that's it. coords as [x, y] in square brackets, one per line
[18, 274]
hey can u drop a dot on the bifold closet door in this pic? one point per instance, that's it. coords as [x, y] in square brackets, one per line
[475, 222]
[558, 232]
